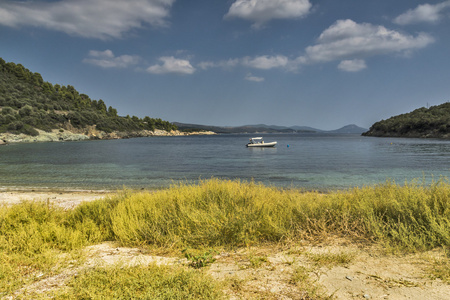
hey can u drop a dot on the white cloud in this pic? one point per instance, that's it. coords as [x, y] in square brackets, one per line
[428, 13]
[262, 11]
[226, 64]
[263, 62]
[353, 65]
[346, 39]
[107, 59]
[250, 77]
[171, 64]
[103, 19]
[266, 62]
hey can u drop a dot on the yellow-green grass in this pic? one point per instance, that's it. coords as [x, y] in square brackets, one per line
[331, 259]
[139, 282]
[231, 213]
[37, 238]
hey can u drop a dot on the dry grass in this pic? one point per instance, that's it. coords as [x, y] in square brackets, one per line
[38, 239]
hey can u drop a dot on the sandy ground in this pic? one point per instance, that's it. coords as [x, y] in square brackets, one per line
[65, 199]
[268, 272]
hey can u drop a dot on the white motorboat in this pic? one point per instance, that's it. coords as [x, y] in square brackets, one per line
[259, 142]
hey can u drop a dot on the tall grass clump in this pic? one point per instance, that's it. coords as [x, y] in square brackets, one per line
[212, 213]
[411, 216]
[34, 227]
[233, 213]
[32, 237]
[93, 218]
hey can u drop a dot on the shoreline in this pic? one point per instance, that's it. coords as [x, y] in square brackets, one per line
[66, 199]
[88, 134]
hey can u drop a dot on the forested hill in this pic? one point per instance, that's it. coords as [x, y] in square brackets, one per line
[433, 122]
[27, 103]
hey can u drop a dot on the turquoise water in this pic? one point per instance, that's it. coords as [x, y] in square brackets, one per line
[311, 161]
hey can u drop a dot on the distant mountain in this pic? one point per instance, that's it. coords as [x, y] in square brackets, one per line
[352, 128]
[263, 128]
[259, 128]
[432, 122]
[306, 129]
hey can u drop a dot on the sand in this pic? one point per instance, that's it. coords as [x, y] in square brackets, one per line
[64, 198]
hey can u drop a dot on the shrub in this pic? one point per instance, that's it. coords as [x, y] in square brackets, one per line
[7, 110]
[25, 111]
[15, 126]
[29, 130]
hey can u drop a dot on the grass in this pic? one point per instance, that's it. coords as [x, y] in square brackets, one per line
[410, 217]
[301, 277]
[330, 259]
[151, 282]
[201, 260]
[35, 237]
[441, 267]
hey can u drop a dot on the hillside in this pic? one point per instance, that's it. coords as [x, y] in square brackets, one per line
[29, 105]
[433, 122]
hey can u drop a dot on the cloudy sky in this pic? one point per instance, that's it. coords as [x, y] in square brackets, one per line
[319, 63]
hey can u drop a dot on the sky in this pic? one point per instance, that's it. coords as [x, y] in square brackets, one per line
[318, 63]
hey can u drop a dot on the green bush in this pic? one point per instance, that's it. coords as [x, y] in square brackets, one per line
[25, 111]
[7, 110]
[15, 126]
[28, 130]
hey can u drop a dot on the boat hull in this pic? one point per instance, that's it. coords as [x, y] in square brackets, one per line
[259, 145]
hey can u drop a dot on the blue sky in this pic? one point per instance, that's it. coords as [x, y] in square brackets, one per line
[323, 64]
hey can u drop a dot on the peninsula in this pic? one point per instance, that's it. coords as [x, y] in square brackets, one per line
[432, 122]
[32, 109]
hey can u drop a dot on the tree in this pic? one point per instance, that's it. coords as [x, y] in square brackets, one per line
[112, 112]
[25, 111]
[25, 98]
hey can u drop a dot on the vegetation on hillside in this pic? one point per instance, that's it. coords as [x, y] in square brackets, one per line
[28, 102]
[423, 122]
[37, 238]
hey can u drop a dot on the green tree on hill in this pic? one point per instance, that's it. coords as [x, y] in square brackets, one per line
[423, 122]
[28, 102]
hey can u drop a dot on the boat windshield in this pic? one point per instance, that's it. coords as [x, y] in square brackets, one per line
[256, 140]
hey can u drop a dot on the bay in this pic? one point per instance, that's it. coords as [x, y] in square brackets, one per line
[308, 161]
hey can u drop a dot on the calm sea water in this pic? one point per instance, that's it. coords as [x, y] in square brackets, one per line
[309, 161]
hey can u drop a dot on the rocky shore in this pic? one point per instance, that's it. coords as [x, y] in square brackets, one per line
[88, 134]
[430, 134]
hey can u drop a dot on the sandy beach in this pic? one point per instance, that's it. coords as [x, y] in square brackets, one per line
[64, 198]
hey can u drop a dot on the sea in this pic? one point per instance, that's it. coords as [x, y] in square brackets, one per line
[308, 161]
